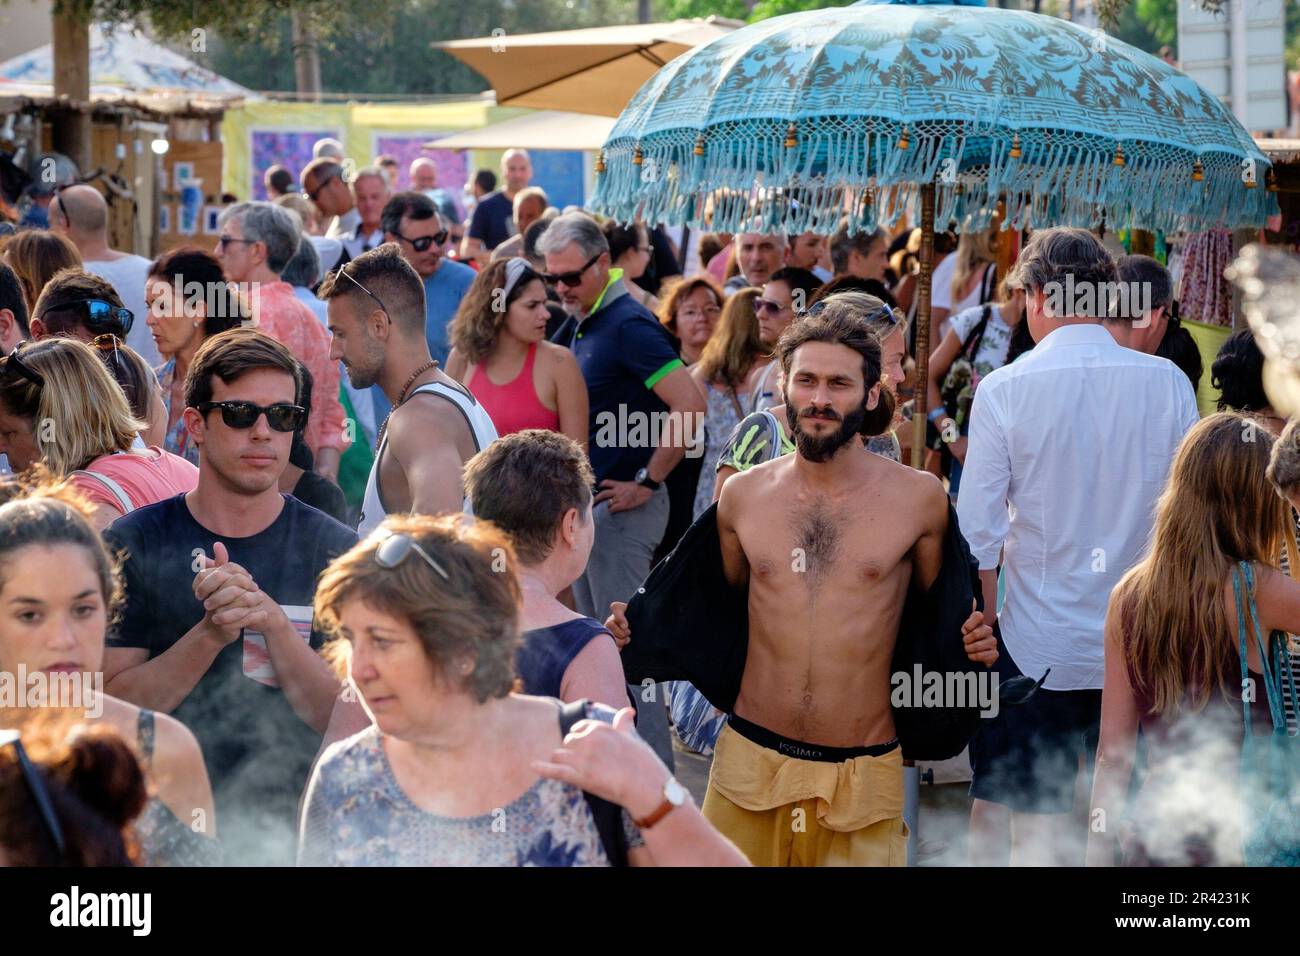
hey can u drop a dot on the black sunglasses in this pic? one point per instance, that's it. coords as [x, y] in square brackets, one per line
[99, 316]
[1017, 690]
[320, 187]
[396, 548]
[570, 279]
[767, 305]
[281, 416]
[40, 793]
[12, 365]
[424, 242]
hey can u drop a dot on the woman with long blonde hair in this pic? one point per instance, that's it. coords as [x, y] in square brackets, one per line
[1173, 639]
[60, 406]
[963, 280]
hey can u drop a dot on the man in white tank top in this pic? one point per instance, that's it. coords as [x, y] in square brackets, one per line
[376, 314]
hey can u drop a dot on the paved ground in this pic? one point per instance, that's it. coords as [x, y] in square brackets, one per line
[944, 812]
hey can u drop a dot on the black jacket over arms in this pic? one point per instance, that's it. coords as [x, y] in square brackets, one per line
[689, 624]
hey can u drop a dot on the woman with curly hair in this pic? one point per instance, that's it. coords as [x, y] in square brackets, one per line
[501, 355]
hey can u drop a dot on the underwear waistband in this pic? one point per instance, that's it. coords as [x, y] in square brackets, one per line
[805, 751]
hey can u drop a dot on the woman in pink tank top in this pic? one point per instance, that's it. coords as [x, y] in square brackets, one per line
[501, 355]
[60, 407]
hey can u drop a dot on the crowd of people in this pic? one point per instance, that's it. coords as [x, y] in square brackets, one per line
[356, 516]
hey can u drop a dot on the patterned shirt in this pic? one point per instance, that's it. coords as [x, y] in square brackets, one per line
[177, 440]
[357, 814]
[278, 312]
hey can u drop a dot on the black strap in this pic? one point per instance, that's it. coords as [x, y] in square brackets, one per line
[973, 341]
[607, 816]
[988, 284]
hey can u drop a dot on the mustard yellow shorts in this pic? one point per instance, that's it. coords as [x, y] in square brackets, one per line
[783, 811]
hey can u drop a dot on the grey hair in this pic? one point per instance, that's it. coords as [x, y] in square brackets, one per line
[304, 268]
[375, 171]
[1053, 254]
[1284, 460]
[531, 192]
[570, 228]
[278, 228]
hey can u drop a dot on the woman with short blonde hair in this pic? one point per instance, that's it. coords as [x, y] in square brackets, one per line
[427, 615]
[60, 406]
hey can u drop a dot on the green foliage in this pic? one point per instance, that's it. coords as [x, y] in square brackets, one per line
[685, 9]
[775, 8]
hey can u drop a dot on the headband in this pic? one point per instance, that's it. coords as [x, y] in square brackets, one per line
[514, 270]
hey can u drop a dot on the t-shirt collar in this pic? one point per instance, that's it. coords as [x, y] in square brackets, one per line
[609, 293]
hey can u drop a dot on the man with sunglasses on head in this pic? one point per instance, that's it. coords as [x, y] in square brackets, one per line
[376, 312]
[81, 214]
[257, 240]
[421, 232]
[217, 624]
[634, 376]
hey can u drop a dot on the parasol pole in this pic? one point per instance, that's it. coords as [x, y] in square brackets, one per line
[921, 391]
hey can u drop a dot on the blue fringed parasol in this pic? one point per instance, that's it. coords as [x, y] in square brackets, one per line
[792, 122]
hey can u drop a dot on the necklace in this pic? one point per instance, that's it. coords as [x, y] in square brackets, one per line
[401, 397]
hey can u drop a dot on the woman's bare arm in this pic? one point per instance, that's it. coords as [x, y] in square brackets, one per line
[1115, 749]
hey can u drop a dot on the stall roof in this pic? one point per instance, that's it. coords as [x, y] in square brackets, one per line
[547, 129]
[1280, 150]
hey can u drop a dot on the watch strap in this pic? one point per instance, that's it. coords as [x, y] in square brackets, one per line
[659, 812]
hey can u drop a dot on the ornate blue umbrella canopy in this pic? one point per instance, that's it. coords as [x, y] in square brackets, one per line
[791, 122]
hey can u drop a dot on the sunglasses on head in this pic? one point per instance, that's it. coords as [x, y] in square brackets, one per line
[99, 316]
[424, 242]
[40, 793]
[282, 417]
[570, 279]
[13, 366]
[396, 548]
[884, 314]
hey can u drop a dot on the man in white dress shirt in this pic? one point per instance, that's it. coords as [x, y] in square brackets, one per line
[1069, 448]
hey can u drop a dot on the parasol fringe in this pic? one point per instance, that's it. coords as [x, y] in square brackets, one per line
[755, 183]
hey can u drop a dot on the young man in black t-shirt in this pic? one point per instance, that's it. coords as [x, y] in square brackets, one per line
[217, 624]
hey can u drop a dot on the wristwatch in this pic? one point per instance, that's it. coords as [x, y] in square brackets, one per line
[674, 796]
[643, 479]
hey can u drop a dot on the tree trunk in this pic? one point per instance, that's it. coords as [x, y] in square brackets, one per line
[306, 55]
[71, 51]
[642, 11]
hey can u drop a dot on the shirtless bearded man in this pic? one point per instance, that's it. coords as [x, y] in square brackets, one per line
[808, 771]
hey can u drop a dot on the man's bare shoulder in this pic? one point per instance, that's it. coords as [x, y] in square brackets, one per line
[760, 478]
[919, 488]
[427, 415]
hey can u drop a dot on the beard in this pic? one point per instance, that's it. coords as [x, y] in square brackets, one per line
[821, 448]
[367, 373]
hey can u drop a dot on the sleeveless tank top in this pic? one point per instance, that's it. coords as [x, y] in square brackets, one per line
[513, 406]
[481, 428]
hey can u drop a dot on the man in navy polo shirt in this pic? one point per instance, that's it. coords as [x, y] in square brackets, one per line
[633, 377]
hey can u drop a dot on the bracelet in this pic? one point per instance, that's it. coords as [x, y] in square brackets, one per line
[936, 414]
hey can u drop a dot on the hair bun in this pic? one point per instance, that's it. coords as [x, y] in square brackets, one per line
[103, 771]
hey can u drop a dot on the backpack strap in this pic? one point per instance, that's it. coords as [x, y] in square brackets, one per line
[988, 284]
[973, 341]
[608, 816]
[114, 489]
